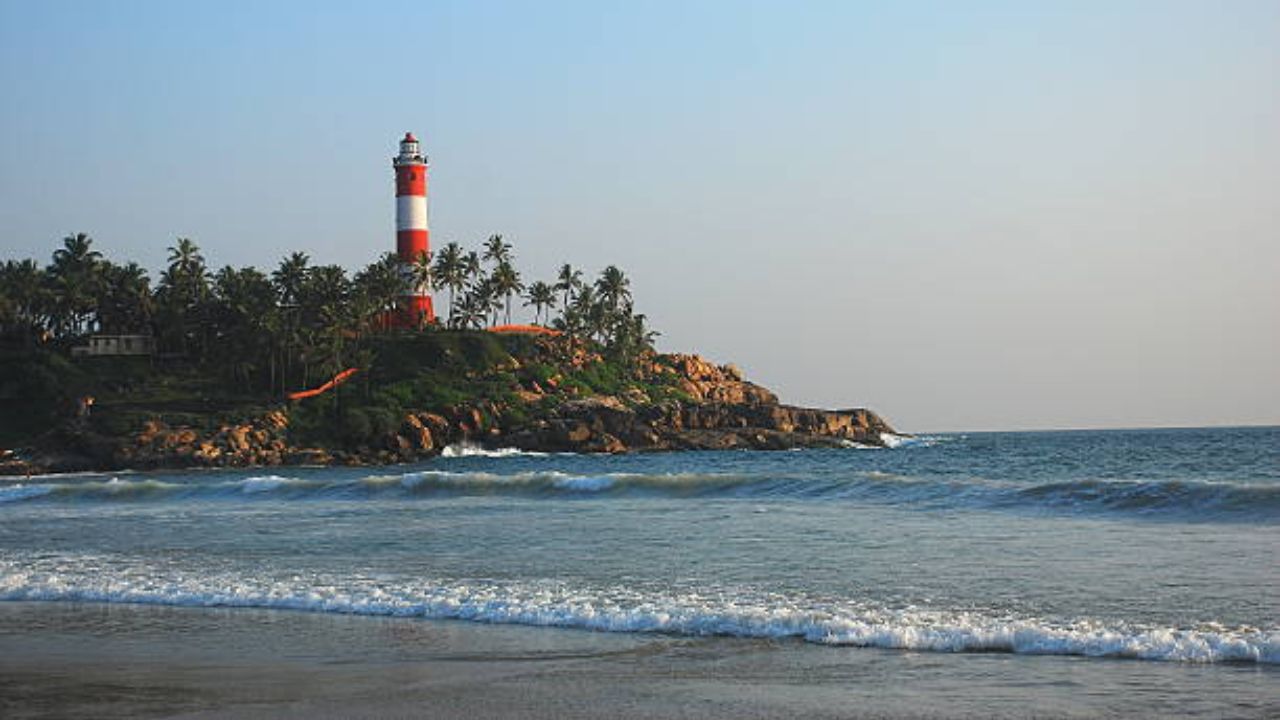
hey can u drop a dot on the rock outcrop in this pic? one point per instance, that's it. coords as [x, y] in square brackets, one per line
[705, 382]
[704, 407]
[723, 411]
[603, 424]
[260, 441]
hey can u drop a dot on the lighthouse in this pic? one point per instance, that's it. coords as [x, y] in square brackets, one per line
[412, 234]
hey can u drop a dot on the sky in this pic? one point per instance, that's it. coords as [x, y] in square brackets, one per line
[965, 215]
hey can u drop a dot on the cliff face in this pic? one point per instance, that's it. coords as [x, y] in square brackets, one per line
[605, 425]
[681, 402]
[721, 411]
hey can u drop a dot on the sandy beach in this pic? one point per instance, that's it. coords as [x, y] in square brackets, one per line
[117, 661]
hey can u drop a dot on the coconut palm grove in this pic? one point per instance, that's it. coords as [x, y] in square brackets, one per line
[235, 340]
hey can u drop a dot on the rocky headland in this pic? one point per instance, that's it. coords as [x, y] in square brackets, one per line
[668, 402]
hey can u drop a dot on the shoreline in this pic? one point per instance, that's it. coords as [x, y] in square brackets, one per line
[750, 438]
[145, 661]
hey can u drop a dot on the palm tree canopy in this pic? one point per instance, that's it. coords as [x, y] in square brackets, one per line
[506, 279]
[471, 264]
[614, 287]
[290, 276]
[185, 254]
[540, 293]
[186, 281]
[76, 254]
[496, 250]
[125, 304]
[449, 269]
[381, 283]
[422, 271]
[568, 279]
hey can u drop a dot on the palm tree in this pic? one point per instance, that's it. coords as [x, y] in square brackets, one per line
[614, 288]
[421, 274]
[187, 277]
[26, 287]
[486, 298]
[588, 312]
[183, 291]
[242, 305]
[450, 271]
[567, 282]
[76, 252]
[76, 282]
[497, 251]
[630, 338]
[471, 265]
[540, 295]
[378, 287]
[472, 311]
[325, 315]
[506, 282]
[125, 303]
[288, 278]
[326, 286]
[473, 270]
[185, 259]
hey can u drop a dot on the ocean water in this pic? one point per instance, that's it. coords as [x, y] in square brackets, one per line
[1152, 551]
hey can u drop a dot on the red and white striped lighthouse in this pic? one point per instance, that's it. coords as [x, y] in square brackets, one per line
[412, 234]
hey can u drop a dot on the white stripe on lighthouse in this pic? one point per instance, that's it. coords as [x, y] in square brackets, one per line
[411, 212]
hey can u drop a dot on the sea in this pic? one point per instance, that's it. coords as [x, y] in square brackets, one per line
[1074, 573]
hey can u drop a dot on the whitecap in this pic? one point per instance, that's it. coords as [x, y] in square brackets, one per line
[894, 441]
[711, 611]
[469, 450]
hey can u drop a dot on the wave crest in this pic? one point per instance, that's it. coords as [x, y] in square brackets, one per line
[469, 450]
[622, 609]
[1184, 499]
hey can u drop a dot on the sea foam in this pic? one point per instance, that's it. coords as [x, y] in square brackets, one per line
[469, 450]
[710, 612]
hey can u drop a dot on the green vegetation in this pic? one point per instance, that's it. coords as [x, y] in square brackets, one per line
[236, 341]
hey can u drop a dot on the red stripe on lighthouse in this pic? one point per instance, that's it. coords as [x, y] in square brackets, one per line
[411, 180]
[411, 243]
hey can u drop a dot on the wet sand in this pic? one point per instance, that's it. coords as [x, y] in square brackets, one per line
[123, 661]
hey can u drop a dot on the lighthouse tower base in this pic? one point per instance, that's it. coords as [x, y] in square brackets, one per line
[415, 311]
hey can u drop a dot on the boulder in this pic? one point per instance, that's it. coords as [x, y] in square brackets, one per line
[416, 432]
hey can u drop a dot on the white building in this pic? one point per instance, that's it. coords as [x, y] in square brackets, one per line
[117, 345]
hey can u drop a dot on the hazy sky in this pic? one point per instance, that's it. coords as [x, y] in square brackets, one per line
[964, 215]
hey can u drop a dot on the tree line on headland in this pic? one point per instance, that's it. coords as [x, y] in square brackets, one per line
[281, 330]
[227, 352]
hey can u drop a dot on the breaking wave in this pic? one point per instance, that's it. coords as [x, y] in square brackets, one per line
[894, 441]
[712, 612]
[469, 450]
[1184, 499]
